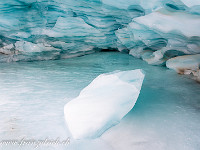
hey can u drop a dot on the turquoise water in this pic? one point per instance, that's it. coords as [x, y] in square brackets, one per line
[33, 94]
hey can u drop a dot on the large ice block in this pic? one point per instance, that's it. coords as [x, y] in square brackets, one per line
[103, 103]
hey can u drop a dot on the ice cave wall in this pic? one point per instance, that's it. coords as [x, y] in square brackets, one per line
[153, 30]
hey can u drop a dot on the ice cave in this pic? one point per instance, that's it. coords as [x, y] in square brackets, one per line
[100, 74]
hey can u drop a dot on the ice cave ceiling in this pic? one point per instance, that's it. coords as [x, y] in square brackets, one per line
[153, 30]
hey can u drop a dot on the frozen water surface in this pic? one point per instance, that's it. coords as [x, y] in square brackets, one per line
[33, 94]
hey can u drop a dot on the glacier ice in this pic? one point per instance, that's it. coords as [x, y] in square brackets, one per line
[103, 103]
[191, 3]
[154, 31]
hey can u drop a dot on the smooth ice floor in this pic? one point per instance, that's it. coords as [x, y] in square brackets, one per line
[33, 94]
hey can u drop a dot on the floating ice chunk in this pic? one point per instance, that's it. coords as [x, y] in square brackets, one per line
[103, 103]
[184, 63]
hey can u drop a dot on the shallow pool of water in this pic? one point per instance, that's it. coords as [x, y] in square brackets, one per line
[33, 94]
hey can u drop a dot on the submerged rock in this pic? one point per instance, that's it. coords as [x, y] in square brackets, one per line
[103, 103]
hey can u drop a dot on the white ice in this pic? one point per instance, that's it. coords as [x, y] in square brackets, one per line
[103, 103]
[165, 21]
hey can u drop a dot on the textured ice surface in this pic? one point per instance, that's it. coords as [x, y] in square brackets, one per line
[169, 33]
[191, 3]
[188, 64]
[153, 30]
[103, 103]
[32, 96]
